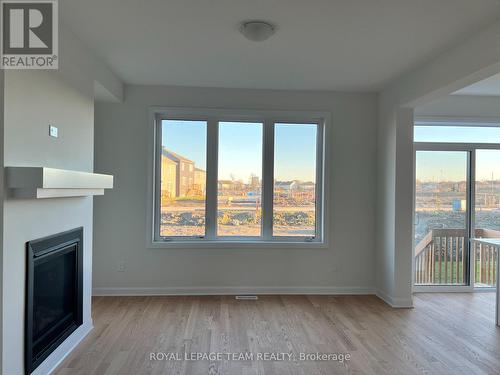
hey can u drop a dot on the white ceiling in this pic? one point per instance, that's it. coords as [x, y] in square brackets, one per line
[320, 44]
[487, 87]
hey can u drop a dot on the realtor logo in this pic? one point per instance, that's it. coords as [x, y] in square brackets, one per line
[29, 34]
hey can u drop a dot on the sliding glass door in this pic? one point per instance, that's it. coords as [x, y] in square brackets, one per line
[486, 221]
[441, 217]
[457, 197]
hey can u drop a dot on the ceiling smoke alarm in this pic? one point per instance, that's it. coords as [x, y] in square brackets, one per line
[257, 31]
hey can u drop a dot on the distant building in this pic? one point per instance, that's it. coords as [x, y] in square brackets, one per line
[168, 177]
[286, 186]
[230, 185]
[307, 186]
[295, 189]
[285, 189]
[179, 177]
[224, 185]
[254, 182]
[200, 181]
[305, 192]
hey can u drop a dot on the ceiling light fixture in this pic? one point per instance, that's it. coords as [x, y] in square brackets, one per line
[257, 31]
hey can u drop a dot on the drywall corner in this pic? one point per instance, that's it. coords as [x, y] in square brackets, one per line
[2, 93]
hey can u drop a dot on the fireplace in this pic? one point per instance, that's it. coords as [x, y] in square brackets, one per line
[53, 293]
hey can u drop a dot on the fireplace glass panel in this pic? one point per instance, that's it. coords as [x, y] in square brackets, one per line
[54, 294]
[54, 297]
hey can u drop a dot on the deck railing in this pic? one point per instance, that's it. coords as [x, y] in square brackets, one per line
[440, 258]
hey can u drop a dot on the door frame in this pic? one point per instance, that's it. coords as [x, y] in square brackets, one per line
[471, 149]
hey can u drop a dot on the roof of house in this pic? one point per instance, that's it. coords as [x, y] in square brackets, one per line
[285, 183]
[174, 156]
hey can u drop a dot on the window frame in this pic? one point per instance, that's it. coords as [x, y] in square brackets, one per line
[268, 119]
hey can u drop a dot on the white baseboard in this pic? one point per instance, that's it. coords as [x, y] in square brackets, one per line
[57, 356]
[398, 303]
[210, 291]
[451, 289]
[442, 289]
[207, 291]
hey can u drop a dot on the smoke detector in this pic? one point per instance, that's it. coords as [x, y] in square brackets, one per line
[257, 31]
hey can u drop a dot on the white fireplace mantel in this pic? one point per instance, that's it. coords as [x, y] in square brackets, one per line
[42, 182]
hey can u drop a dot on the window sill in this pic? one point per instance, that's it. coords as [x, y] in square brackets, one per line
[228, 244]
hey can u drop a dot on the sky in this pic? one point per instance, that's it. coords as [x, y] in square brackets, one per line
[295, 152]
[240, 151]
[437, 166]
[240, 148]
[187, 138]
[452, 165]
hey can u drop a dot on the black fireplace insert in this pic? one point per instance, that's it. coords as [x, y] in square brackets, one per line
[54, 293]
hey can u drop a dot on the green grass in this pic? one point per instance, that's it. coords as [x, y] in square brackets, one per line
[451, 276]
[493, 273]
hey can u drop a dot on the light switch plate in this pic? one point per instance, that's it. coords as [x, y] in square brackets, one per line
[53, 131]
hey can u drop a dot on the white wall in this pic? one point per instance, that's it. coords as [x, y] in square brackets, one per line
[394, 204]
[33, 100]
[477, 108]
[386, 190]
[474, 59]
[122, 132]
[80, 67]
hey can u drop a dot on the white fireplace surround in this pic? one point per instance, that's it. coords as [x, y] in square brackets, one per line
[42, 182]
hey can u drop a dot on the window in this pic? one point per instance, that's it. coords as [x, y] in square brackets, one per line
[231, 176]
[239, 179]
[182, 203]
[457, 197]
[294, 208]
[441, 220]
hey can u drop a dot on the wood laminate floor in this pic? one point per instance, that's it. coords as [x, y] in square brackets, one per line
[444, 334]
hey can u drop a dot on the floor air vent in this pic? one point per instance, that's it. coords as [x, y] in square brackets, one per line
[247, 297]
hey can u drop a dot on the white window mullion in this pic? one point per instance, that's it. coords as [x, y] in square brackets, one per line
[268, 181]
[471, 213]
[212, 162]
[320, 198]
[157, 178]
